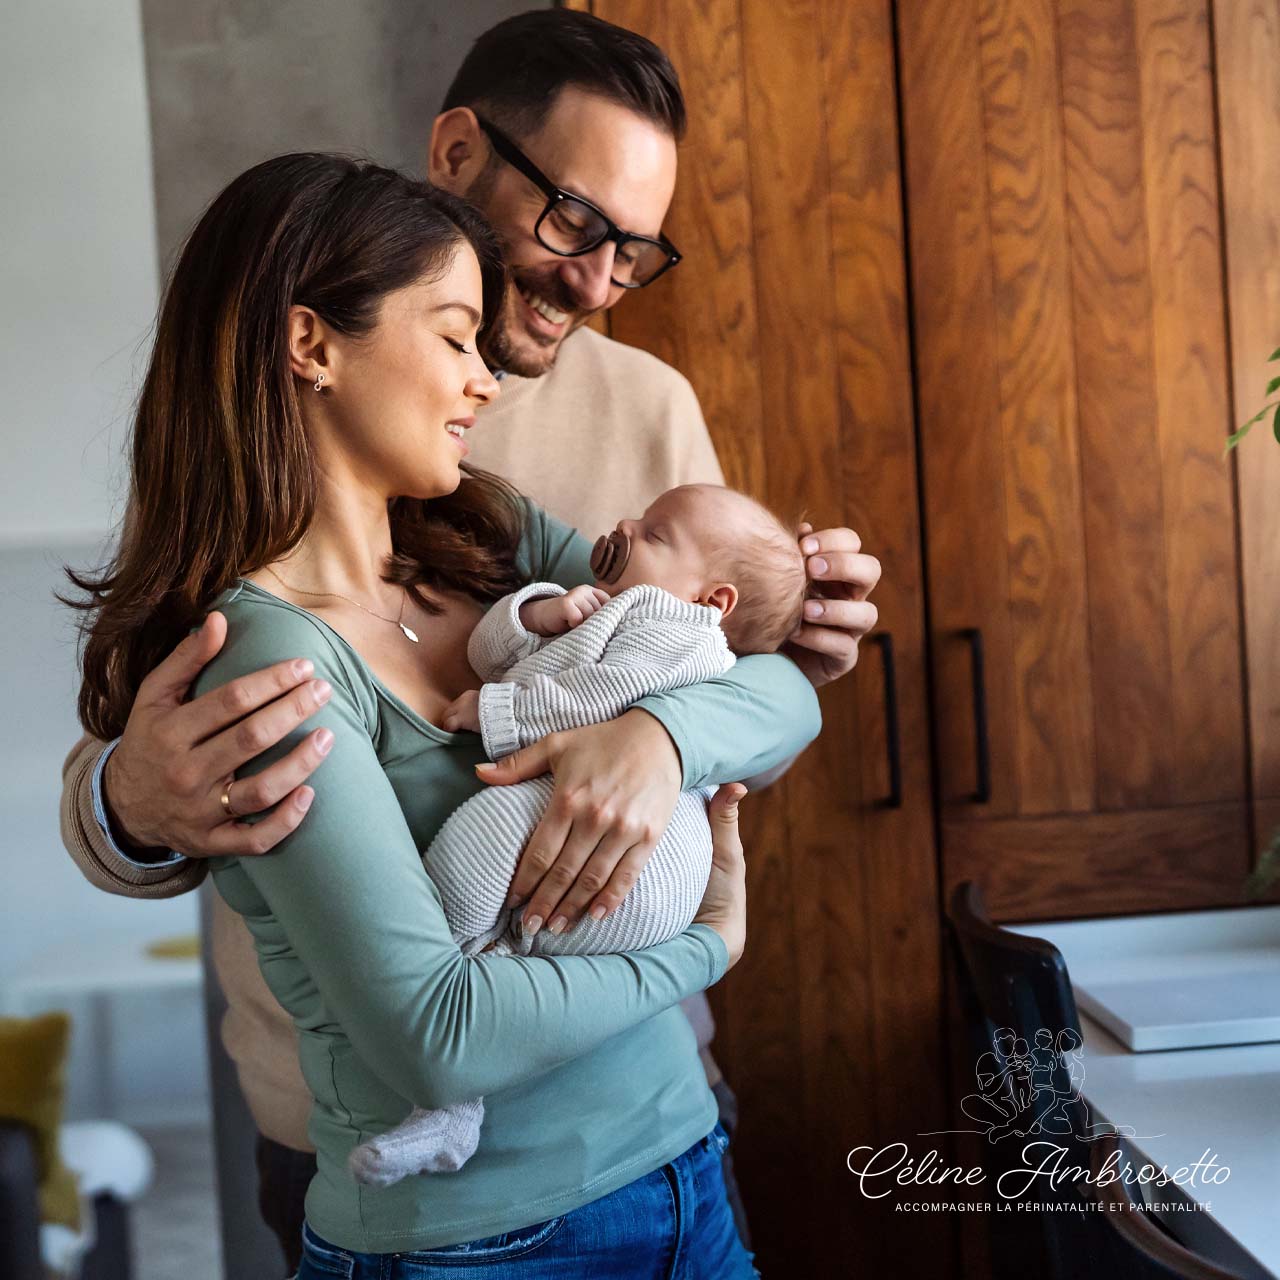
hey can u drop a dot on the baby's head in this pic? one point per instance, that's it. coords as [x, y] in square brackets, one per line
[711, 545]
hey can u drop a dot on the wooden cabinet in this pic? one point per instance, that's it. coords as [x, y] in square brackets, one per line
[954, 275]
[1070, 343]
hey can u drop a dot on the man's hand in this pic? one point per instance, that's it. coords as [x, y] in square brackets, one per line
[825, 645]
[165, 779]
[554, 615]
[616, 786]
[463, 713]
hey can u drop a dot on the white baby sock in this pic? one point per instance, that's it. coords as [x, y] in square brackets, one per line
[439, 1141]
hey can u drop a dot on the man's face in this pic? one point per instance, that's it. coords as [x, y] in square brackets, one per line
[620, 162]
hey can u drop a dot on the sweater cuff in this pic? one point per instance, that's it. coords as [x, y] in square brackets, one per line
[164, 858]
[498, 720]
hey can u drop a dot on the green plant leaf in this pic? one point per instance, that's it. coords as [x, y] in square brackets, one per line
[1275, 425]
[1272, 387]
[1275, 355]
[1236, 436]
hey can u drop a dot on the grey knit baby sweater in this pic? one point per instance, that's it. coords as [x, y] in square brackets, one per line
[642, 641]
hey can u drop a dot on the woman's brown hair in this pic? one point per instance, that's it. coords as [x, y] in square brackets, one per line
[222, 480]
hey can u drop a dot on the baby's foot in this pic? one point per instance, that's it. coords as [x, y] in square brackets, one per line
[440, 1141]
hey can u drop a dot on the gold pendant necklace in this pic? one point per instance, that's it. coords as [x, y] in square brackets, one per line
[410, 634]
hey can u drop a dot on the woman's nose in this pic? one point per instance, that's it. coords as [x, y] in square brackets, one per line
[482, 386]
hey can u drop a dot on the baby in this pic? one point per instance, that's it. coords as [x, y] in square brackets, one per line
[704, 576]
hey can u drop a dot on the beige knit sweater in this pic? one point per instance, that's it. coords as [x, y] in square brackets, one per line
[595, 440]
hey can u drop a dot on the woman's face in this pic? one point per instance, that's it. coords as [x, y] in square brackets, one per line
[401, 397]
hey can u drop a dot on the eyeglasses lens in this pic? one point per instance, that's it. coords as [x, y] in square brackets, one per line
[571, 227]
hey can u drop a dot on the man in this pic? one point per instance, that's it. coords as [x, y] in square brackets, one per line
[563, 129]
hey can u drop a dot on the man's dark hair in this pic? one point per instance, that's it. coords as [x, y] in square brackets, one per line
[515, 70]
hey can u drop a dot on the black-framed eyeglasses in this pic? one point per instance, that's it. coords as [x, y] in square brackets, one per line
[571, 226]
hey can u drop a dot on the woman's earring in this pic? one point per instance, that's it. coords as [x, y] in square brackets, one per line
[319, 380]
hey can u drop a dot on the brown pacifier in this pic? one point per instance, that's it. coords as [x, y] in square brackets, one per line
[610, 555]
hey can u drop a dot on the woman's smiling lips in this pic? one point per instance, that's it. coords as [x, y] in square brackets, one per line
[455, 427]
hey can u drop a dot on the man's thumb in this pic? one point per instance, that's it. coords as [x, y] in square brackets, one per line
[529, 762]
[174, 675]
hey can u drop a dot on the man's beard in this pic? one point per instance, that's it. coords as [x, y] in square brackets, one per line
[509, 346]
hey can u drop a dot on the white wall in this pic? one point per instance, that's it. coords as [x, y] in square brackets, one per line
[77, 259]
[78, 292]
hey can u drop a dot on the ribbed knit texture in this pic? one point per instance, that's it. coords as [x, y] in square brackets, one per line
[642, 641]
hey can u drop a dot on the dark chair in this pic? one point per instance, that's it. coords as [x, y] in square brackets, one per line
[1134, 1245]
[1019, 1016]
[109, 1259]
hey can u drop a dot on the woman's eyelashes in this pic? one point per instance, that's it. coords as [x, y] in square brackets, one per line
[459, 347]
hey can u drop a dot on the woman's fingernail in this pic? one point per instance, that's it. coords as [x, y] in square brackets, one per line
[531, 926]
[303, 668]
[597, 912]
[817, 565]
[322, 689]
[305, 798]
[557, 925]
[324, 741]
[487, 767]
[809, 546]
[512, 899]
[814, 609]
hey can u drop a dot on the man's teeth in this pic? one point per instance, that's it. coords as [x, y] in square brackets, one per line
[544, 308]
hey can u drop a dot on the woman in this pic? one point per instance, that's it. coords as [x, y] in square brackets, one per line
[297, 464]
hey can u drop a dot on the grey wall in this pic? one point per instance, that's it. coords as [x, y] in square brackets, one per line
[77, 260]
[233, 82]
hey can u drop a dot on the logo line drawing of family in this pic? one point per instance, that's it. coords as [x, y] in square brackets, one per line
[1013, 1079]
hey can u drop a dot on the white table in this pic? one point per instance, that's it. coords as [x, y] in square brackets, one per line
[1182, 1103]
[95, 974]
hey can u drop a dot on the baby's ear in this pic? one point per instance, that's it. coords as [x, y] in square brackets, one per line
[724, 595]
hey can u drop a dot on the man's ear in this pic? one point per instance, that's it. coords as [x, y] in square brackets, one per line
[724, 595]
[458, 150]
[309, 356]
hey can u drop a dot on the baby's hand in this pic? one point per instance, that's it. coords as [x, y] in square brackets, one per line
[463, 713]
[554, 615]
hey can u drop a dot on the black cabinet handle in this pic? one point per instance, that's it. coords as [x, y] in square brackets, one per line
[981, 742]
[892, 740]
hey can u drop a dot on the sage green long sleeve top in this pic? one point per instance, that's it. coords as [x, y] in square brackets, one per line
[589, 1071]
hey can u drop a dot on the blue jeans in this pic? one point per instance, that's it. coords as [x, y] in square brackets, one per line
[672, 1224]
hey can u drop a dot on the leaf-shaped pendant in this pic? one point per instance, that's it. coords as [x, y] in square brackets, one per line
[410, 634]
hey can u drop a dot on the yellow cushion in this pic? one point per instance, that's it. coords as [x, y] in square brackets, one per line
[33, 1053]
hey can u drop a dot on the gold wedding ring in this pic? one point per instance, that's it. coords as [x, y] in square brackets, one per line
[225, 800]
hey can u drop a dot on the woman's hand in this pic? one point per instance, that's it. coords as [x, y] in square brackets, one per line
[616, 788]
[825, 644]
[724, 905]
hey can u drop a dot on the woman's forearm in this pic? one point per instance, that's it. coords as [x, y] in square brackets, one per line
[751, 720]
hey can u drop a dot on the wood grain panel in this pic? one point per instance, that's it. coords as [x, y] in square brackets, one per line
[1190, 363]
[1037, 377]
[798, 365]
[1247, 44]
[1102, 864]
[880, 485]
[1128, 599]
[703, 318]
[957, 389]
